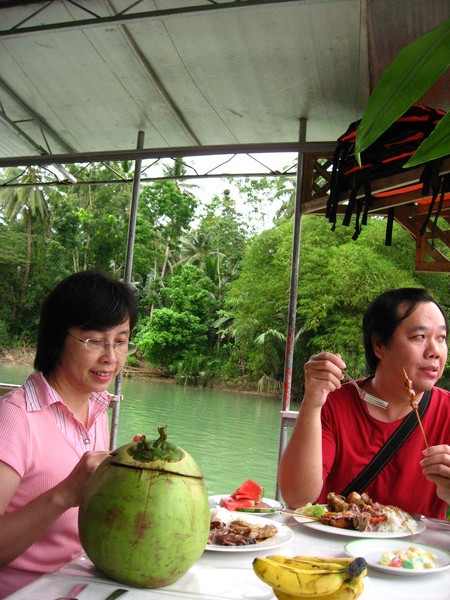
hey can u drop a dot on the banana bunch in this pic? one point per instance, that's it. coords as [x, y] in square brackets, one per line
[303, 577]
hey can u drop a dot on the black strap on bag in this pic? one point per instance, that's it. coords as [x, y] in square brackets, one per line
[384, 158]
[386, 452]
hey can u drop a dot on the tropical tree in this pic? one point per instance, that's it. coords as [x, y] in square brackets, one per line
[224, 233]
[28, 207]
[13, 247]
[183, 329]
[91, 221]
[268, 195]
[164, 214]
[338, 278]
[197, 249]
[169, 336]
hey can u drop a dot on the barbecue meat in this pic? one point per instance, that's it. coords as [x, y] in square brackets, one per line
[343, 519]
[356, 511]
[336, 503]
[239, 533]
[256, 532]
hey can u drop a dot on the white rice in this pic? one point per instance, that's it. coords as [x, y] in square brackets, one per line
[397, 520]
[219, 513]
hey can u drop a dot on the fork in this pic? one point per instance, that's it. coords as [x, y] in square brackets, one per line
[364, 395]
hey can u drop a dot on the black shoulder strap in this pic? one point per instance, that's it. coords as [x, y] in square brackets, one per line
[386, 452]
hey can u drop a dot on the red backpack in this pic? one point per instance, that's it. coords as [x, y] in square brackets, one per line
[385, 157]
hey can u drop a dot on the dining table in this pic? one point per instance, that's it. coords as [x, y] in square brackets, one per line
[227, 573]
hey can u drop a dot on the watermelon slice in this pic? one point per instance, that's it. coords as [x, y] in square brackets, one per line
[231, 504]
[249, 490]
[261, 507]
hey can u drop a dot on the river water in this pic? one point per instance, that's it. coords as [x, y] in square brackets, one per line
[232, 436]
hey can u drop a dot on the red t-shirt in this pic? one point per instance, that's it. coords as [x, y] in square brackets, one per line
[351, 437]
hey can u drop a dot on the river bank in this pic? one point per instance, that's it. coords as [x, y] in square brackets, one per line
[24, 357]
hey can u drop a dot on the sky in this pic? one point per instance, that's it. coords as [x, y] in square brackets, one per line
[207, 187]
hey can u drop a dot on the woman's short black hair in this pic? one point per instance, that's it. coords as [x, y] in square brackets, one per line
[382, 317]
[88, 300]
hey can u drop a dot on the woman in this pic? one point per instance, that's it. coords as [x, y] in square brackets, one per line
[54, 429]
[336, 434]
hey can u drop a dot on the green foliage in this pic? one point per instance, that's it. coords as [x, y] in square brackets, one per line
[175, 336]
[338, 278]
[12, 250]
[337, 282]
[52, 233]
[164, 214]
[21, 202]
[167, 208]
[268, 353]
[92, 227]
[407, 78]
[192, 291]
[196, 369]
[218, 243]
[214, 298]
[169, 336]
[278, 191]
[5, 338]
[257, 297]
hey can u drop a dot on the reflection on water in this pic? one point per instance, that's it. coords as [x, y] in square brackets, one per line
[231, 436]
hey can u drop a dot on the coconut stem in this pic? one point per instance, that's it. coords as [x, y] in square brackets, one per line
[162, 433]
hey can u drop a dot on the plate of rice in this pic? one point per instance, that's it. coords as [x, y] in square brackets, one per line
[397, 524]
[357, 515]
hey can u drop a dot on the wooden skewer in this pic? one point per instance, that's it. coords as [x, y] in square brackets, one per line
[412, 400]
[292, 513]
[307, 520]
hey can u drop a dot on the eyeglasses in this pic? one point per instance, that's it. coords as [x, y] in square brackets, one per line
[97, 345]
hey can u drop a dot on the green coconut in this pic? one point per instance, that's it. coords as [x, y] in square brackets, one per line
[144, 518]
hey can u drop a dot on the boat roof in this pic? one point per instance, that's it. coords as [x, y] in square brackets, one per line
[80, 80]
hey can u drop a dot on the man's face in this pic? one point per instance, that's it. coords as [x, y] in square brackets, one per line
[418, 345]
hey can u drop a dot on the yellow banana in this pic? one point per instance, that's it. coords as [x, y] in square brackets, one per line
[309, 563]
[343, 561]
[349, 590]
[298, 582]
[332, 562]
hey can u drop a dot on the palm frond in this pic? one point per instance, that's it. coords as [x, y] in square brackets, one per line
[412, 72]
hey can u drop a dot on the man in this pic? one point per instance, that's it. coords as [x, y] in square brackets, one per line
[336, 434]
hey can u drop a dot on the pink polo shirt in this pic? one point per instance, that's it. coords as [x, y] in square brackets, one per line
[41, 439]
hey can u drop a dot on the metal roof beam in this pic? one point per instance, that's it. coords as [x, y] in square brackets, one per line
[156, 80]
[123, 19]
[35, 117]
[81, 182]
[182, 151]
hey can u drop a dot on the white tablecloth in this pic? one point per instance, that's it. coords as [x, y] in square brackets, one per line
[230, 576]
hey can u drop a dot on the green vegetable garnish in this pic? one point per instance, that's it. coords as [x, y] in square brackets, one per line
[312, 510]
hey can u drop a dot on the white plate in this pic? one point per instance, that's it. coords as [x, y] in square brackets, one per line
[372, 550]
[283, 536]
[215, 501]
[353, 533]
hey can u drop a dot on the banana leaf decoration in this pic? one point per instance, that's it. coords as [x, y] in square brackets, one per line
[412, 72]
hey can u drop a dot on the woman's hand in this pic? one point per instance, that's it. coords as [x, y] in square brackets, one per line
[323, 374]
[436, 468]
[22, 527]
[71, 489]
